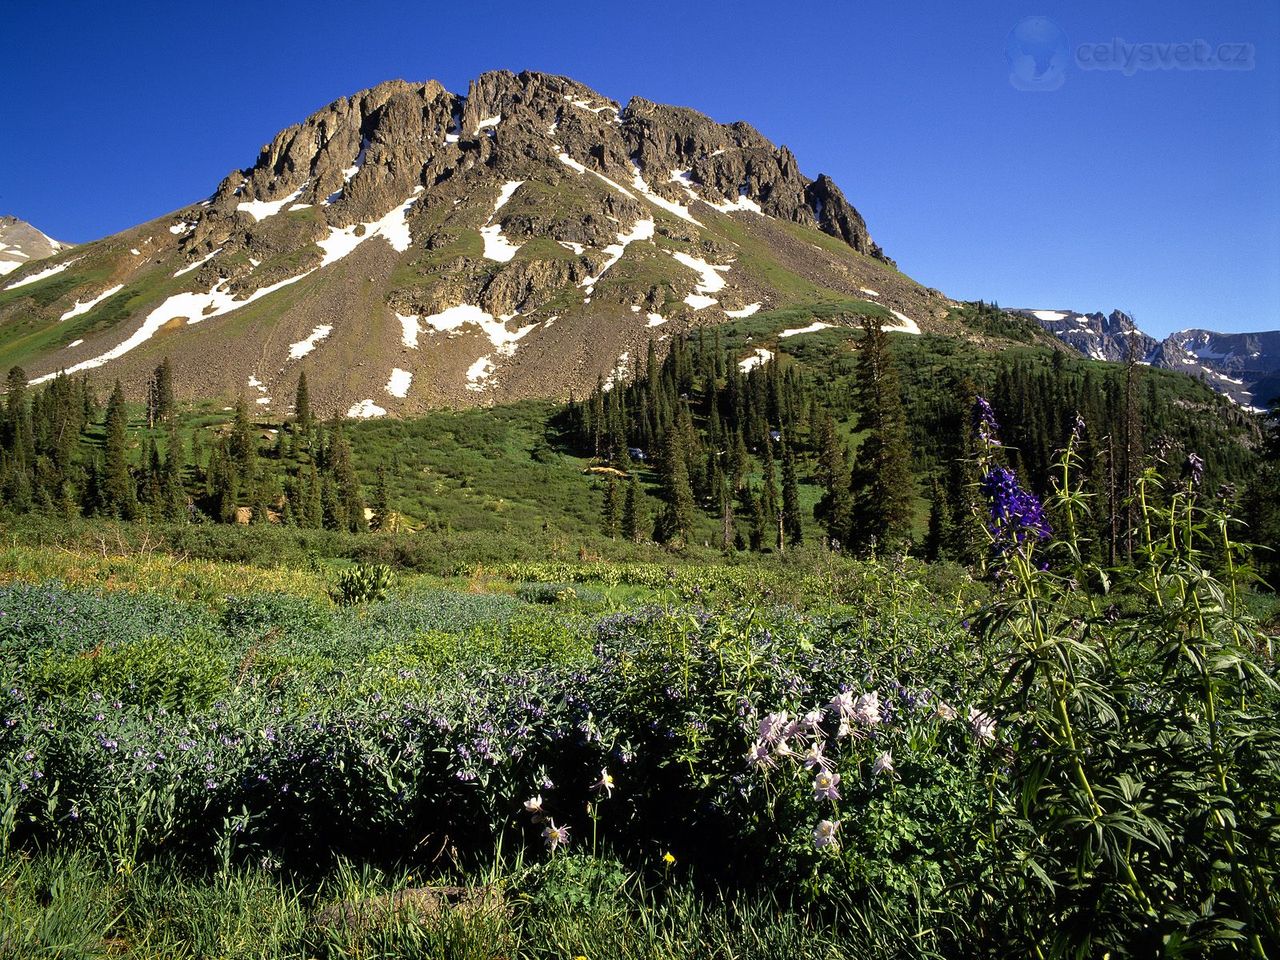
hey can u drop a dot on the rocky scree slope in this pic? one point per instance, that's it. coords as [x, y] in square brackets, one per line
[410, 248]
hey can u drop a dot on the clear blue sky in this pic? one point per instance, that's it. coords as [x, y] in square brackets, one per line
[1158, 192]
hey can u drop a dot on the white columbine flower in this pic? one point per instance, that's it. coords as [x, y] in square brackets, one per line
[814, 759]
[883, 764]
[534, 806]
[945, 711]
[771, 726]
[759, 756]
[825, 784]
[842, 705]
[984, 726]
[554, 836]
[605, 783]
[824, 834]
[867, 709]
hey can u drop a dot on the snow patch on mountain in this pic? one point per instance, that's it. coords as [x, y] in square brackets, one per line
[496, 246]
[303, 347]
[87, 305]
[398, 385]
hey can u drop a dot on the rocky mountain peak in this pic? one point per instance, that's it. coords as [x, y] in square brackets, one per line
[21, 243]
[411, 246]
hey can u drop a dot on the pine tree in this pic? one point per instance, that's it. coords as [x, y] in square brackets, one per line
[883, 485]
[302, 416]
[380, 503]
[941, 522]
[676, 520]
[160, 402]
[612, 509]
[791, 524]
[633, 520]
[119, 499]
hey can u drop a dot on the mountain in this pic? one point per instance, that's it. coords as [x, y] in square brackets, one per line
[411, 248]
[21, 243]
[1242, 366]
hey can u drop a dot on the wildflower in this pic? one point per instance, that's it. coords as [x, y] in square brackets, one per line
[867, 709]
[984, 726]
[668, 858]
[824, 834]
[1195, 467]
[844, 729]
[605, 783]
[758, 755]
[1015, 513]
[814, 759]
[842, 705]
[825, 785]
[985, 424]
[554, 836]
[533, 806]
[883, 764]
[945, 711]
[771, 726]
[783, 749]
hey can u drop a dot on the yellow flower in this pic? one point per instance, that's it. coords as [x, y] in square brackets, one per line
[668, 858]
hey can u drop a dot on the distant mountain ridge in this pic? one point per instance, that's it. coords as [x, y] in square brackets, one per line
[21, 244]
[1242, 366]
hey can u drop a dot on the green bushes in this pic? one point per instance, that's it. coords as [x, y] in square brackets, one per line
[365, 583]
[175, 673]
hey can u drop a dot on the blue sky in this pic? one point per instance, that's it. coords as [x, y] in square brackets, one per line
[1157, 192]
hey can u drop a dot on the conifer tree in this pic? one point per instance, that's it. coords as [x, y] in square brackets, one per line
[119, 499]
[882, 482]
[612, 509]
[791, 523]
[676, 519]
[380, 502]
[633, 520]
[302, 416]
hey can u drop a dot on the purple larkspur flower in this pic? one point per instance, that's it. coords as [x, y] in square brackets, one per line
[1016, 515]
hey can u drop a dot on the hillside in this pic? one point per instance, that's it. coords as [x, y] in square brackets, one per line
[410, 247]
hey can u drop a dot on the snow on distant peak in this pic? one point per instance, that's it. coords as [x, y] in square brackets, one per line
[679, 209]
[199, 263]
[1049, 316]
[905, 324]
[394, 228]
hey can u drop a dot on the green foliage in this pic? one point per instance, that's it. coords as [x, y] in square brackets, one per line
[365, 583]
